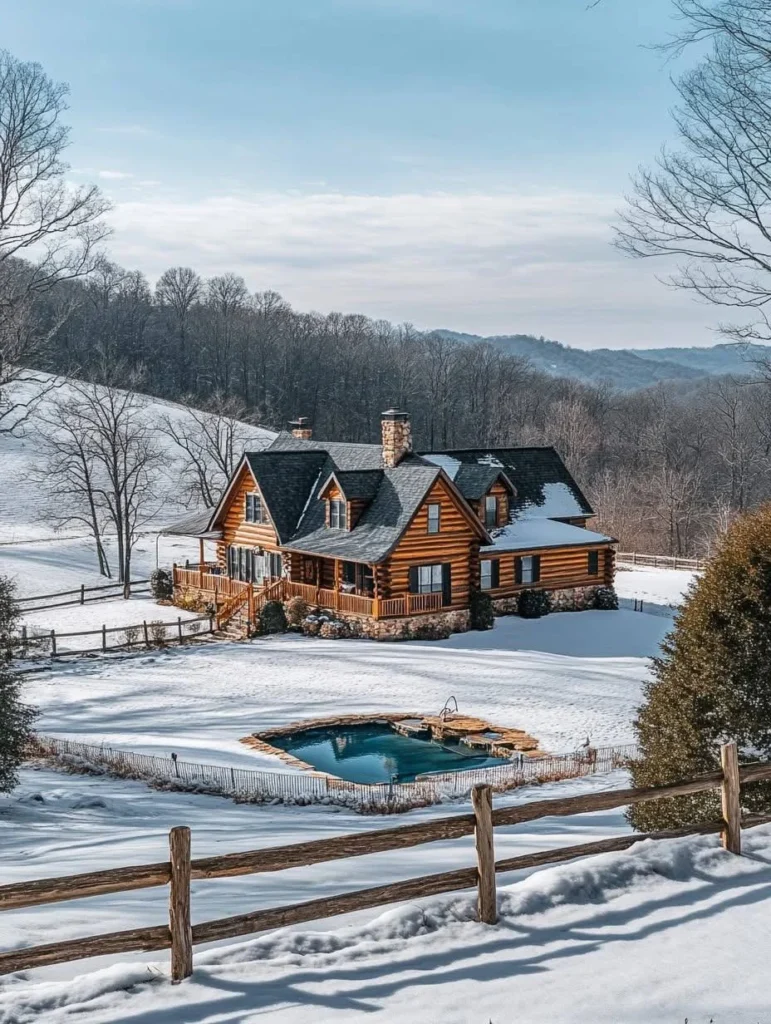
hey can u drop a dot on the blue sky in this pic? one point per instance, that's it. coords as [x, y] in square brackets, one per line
[447, 162]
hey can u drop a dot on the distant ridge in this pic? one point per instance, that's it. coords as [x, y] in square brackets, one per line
[624, 368]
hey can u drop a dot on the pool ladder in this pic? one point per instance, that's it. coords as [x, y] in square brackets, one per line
[446, 711]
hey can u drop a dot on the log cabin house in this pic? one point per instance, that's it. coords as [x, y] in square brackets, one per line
[389, 538]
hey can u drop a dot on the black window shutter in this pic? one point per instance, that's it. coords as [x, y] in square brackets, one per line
[446, 583]
[518, 570]
[495, 573]
[536, 568]
[594, 563]
[414, 584]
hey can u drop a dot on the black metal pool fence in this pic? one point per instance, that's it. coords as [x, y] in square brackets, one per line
[307, 787]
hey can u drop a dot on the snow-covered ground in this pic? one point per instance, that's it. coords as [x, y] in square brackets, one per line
[562, 678]
[662, 589]
[662, 933]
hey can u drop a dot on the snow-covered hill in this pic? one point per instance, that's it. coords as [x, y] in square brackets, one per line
[22, 500]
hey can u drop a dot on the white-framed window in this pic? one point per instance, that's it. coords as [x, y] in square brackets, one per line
[254, 512]
[337, 514]
[528, 569]
[434, 516]
[486, 573]
[429, 579]
[491, 510]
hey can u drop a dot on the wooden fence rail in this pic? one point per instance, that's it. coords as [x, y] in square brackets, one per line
[660, 561]
[80, 595]
[145, 634]
[180, 936]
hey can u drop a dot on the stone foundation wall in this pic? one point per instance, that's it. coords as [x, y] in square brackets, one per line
[573, 599]
[418, 627]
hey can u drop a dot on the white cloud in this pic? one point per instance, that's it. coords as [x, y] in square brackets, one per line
[114, 175]
[487, 263]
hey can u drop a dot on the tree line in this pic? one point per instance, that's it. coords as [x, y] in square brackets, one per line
[667, 468]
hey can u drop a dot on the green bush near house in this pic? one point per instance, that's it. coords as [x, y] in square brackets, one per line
[711, 682]
[162, 584]
[606, 599]
[481, 614]
[273, 618]
[533, 604]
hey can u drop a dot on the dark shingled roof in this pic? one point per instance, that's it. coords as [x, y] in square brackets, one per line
[194, 524]
[474, 481]
[359, 484]
[285, 479]
[344, 456]
[397, 499]
[531, 471]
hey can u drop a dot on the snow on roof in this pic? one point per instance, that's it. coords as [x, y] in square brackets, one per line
[490, 460]
[445, 462]
[559, 502]
[528, 534]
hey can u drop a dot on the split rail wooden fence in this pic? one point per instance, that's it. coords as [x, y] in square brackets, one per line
[78, 596]
[180, 934]
[659, 561]
[156, 633]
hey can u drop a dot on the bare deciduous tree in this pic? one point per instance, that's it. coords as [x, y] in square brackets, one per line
[49, 230]
[211, 442]
[107, 452]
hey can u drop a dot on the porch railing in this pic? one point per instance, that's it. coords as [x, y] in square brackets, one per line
[223, 589]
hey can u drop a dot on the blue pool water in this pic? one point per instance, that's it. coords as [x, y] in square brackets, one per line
[374, 752]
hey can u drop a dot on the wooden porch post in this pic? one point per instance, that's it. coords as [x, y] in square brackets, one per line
[375, 593]
[200, 550]
[337, 584]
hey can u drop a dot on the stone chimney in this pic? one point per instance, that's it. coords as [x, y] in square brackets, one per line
[301, 428]
[397, 436]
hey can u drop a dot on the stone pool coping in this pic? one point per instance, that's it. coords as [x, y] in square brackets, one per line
[497, 741]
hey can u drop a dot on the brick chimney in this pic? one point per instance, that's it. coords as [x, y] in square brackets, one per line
[301, 428]
[397, 436]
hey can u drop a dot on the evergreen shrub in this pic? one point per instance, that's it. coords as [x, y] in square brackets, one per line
[533, 604]
[711, 682]
[481, 610]
[162, 584]
[16, 718]
[273, 618]
[606, 599]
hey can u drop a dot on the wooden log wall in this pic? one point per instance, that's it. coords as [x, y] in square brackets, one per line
[419, 547]
[236, 530]
[568, 567]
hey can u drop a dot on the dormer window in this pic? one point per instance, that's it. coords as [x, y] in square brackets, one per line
[254, 511]
[491, 511]
[337, 514]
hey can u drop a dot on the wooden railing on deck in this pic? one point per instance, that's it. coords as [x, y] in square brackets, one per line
[223, 587]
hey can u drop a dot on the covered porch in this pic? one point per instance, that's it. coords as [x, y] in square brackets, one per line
[344, 587]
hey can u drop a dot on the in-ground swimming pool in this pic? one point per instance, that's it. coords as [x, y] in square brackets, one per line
[374, 752]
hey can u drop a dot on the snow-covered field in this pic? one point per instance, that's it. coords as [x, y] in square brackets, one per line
[561, 678]
[563, 950]
[662, 933]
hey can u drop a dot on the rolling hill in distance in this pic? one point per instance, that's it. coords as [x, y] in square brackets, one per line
[626, 368]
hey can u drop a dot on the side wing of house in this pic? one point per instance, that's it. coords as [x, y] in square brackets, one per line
[438, 551]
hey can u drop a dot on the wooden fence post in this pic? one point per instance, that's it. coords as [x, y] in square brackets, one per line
[147, 638]
[104, 637]
[82, 593]
[731, 835]
[179, 905]
[53, 643]
[179, 627]
[482, 801]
